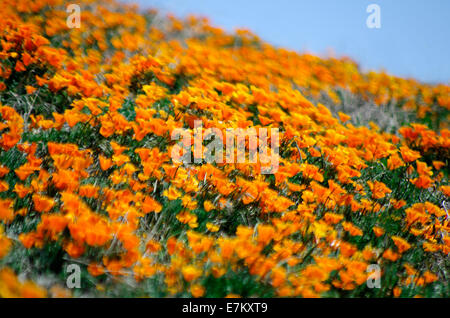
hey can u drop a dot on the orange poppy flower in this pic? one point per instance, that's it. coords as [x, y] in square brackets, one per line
[191, 273]
[379, 189]
[43, 203]
[402, 245]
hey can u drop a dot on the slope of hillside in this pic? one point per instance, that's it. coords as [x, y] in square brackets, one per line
[89, 177]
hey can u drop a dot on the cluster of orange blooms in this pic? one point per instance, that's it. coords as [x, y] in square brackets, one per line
[11, 286]
[296, 231]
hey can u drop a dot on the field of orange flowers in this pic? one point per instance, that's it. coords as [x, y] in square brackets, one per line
[87, 177]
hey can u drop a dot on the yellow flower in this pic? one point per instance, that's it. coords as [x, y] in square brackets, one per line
[208, 206]
[212, 227]
[172, 193]
[191, 272]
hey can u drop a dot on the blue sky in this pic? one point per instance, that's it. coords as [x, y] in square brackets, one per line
[413, 41]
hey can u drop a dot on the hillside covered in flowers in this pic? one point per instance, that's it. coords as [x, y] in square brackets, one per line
[87, 177]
